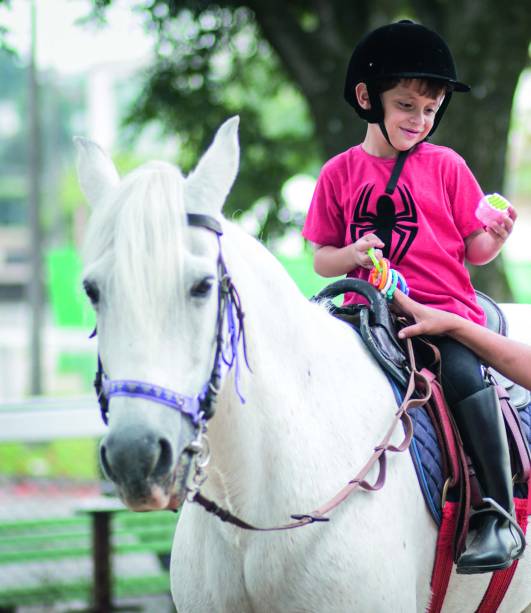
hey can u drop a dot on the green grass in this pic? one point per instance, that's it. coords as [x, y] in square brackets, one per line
[74, 459]
[81, 364]
[25, 541]
[301, 270]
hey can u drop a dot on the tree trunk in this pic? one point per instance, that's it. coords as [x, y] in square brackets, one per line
[316, 59]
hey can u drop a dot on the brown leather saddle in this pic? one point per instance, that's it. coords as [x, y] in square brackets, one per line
[378, 328]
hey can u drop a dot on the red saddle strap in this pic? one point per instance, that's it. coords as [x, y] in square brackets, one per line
[446, 428]
[457, 465]
[442, 568]
[443, 564]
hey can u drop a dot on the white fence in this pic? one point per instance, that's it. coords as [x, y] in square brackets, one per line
[46, 419]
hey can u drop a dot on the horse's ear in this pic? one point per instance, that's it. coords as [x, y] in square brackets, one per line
[210, 182]
[96, 171]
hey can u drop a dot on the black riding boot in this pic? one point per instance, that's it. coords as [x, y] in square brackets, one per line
[498, 540]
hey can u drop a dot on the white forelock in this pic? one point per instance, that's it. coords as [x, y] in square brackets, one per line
[136, 240]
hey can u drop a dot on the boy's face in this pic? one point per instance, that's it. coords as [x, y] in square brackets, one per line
[409, 113]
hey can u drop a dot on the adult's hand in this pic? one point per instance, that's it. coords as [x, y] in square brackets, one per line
[427, 320]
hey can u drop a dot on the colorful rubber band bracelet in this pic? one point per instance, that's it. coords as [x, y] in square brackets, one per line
[390, 292]
[388, 283]
[384, 274]
[374, 259]
[374, 277]
[403, 284]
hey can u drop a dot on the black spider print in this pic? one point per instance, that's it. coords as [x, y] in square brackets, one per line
[386, 222]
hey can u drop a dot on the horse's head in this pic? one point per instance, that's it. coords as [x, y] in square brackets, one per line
[152, 273]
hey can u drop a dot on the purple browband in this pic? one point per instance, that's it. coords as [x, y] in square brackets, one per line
[161, 395]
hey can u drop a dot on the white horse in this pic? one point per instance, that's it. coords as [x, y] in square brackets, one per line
[316, 405]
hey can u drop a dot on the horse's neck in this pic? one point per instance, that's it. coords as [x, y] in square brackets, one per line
[312, 398]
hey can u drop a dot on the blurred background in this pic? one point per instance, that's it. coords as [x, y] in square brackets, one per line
[154, 79]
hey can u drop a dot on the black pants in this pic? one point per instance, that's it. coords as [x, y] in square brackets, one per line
[460, 370]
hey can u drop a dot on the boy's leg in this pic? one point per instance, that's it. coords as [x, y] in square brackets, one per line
[477, 413]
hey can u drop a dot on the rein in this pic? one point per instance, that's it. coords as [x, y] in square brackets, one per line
[357, 482]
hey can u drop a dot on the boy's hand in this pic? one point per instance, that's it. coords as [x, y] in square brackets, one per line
[483, 246]
[362, 245]
[500, 231]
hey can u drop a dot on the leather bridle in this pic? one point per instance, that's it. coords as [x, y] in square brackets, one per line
[199, 408]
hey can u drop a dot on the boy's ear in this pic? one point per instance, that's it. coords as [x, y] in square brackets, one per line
[362, 96]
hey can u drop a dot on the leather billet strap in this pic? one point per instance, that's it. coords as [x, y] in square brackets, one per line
[449, 442]
[417, 380]
[454, 459]
[522, 454]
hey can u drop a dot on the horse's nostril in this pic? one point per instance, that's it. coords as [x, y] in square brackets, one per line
[133, 456]
[105, 464]
[165, 458]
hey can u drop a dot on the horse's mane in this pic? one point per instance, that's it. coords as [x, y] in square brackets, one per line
[135, 239]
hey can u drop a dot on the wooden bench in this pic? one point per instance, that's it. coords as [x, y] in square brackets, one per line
[100, 530]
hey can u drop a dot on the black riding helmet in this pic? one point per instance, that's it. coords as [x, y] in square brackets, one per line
[400, 50]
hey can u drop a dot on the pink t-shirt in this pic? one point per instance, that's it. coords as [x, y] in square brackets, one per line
[423, 224]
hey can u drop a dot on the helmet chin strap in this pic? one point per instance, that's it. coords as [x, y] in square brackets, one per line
[385, 133]
[399, 164]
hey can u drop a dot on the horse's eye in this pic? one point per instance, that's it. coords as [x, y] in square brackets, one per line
[202, 288]
[92, 291]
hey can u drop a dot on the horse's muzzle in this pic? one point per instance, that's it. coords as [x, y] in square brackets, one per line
[146, 467]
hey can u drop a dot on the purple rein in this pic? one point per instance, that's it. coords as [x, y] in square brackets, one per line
[201, 407]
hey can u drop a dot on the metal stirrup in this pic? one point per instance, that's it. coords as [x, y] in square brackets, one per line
[496, 507]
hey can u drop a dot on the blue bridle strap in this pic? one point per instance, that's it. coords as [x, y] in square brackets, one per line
[161, 395]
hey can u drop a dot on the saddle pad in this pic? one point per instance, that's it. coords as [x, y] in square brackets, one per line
[426, 456]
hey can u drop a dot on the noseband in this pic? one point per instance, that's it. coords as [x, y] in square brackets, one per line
[199, 408]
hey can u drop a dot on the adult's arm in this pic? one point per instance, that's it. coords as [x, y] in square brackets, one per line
[510, 357]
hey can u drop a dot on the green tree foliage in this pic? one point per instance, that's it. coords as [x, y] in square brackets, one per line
[213, 65]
